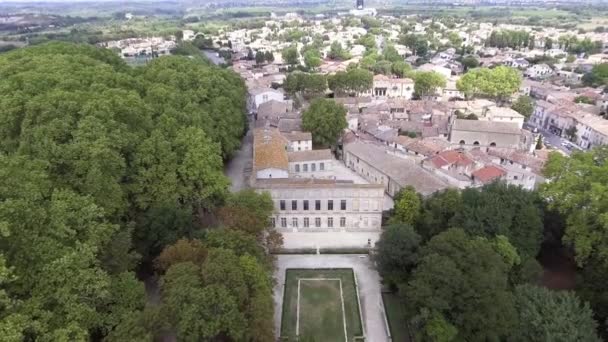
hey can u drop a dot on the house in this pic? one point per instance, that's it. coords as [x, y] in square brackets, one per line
[503, 114]
[307, 163]
[273, 110]
[479, 133]
[538, 71]
[298, 141]
[445, 72]
[385, 86]
[257, 96]
[487, 174]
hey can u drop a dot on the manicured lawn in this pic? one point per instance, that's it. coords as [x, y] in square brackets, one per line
[328, 305]
[395, 314]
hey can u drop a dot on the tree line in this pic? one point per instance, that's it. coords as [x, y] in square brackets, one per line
[105, 168]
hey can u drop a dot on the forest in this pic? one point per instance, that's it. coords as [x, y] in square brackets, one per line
[108, 172]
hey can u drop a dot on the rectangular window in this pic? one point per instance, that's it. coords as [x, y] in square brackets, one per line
[273, 222]
[342, 222]
[294, 205]
[305, 167]
[313, 167]
[297, 167]
[294, 222]
[283, 222]
[306, 222]
[317, 205]
[282, 204]
[343, 205]
[317, 222]
[321, 166]
[330, 222]
[330, 205]
[305, 204]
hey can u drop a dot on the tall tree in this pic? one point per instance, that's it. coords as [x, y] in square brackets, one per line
[397, 253]
[326, 120]
[546, 315]
[577, 189]
[498, 83]
[465, 281]
[524, 105]
[426, 83]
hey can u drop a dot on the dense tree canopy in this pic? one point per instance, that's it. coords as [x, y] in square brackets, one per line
[498, 83]
[546, 315]
[326, 120]
[426, 83]
[578, 190]
[524, 105]
[464, 281]
[352, 81]
[95, 154]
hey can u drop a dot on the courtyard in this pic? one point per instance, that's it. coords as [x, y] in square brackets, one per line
[323, 293]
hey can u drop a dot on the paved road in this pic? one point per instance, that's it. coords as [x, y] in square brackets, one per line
[368, 280]
[549, 138]
[238, 168]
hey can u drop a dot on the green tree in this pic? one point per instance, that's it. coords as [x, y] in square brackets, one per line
[326, 120]
[426, 83]
[407, 206]
[465, 281]
[498, 83]
[260, 57]
[470, 62]
[598, 75]
[401, 69]
[354, 80]
[390, 54]
[291, 56]
[546, 315]
[312, 59]
[337, 51]
[396, 253]
[576, 189]
[524, 105]
[501, 209]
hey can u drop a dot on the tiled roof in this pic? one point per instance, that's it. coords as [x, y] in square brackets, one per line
[486, 126]
[488, 173]
[299, 156]
[403, 171]
[451, 157]
[269, 149]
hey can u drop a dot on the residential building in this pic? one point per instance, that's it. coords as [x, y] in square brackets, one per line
[478, 133]
[373, 163]
[312, 163]
[298, 141]
[269, 155]
[324, 205]
[257, 96]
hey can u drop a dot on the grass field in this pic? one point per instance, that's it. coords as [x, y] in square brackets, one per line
[320, 305]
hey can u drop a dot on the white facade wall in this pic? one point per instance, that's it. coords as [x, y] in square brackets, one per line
[267, 96]
[362, 210]
[309, 167]
[371, 173]
[271, 173]
[300, 145]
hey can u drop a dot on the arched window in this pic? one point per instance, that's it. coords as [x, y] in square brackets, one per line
[492, 144]
[476, 143]
[462, 142]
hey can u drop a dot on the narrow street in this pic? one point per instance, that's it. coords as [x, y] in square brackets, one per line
[239, 167]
